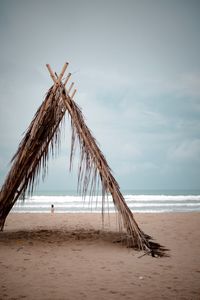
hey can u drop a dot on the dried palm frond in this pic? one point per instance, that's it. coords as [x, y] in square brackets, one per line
[42, 138]
[93, 168]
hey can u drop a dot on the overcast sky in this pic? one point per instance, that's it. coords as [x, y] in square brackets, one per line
[137, 69]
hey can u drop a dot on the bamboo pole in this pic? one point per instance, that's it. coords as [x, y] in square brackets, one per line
[73, 94]
[51, 73]
[67, 79]
[71, 86]
[62, 73]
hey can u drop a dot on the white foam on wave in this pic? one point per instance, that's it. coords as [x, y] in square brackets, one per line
[162, 197]
[127, 198]
[80, 205]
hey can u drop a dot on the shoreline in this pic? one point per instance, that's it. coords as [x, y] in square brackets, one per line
[99, 213]
[70, 256]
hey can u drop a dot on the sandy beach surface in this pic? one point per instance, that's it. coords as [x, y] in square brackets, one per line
[70, 256]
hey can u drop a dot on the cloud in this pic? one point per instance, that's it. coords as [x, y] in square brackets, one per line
[188, 151]
[137, 71]
[188, 84]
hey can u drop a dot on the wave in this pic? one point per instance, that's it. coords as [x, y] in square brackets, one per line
[127, 198]
[137, 203]
[162, 197]
[68, 205]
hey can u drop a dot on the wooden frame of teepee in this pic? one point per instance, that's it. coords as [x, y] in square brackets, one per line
[42, 138]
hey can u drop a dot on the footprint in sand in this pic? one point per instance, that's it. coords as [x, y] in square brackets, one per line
[103, 289]
[20, 269]
[168, 267]
[76, 249]
[113, 292]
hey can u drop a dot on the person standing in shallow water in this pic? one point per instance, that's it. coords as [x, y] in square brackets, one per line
[52, 208]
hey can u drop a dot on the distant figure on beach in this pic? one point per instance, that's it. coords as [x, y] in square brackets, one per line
[52, 208]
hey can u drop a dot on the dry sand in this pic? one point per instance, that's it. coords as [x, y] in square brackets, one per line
[68, 256]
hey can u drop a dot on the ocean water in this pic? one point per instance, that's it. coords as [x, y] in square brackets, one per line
[141, 201]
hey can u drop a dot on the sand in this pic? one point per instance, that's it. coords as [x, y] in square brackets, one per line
[69, 256]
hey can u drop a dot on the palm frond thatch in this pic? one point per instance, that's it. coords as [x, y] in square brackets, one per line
[42, 138]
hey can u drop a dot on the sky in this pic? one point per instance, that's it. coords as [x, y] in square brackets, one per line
[136, 67]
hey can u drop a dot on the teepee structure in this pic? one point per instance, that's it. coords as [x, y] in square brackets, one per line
[42, 139]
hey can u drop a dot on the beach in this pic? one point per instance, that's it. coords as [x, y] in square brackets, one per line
[71, 256]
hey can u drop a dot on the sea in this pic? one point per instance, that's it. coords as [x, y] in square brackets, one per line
[139, 201]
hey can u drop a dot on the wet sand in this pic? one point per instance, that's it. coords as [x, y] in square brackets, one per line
[70, 256]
